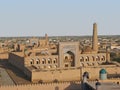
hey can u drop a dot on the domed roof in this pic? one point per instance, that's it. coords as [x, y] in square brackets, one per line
[87, 49]
[103, 71]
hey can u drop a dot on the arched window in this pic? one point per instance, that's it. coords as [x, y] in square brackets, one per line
[49, 60]
[66, 57]
[37, 61]
[103, 58]
[93, 58]
[71, 57]
[55, 60]
[97, 58]
[81, 59]
[87, 58]
[43, 61]
[31, 61]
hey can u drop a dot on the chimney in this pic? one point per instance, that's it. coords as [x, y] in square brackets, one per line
[95, 38]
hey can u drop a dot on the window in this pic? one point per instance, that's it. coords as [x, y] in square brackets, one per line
[87, 58]
[66, 65]
[49, 61]
[97, 58]
[81, 59]
[54, 61]
[43, 61]
[66, 58]
[31, 62]
[37, 62]
[103, 58]
[93, 58]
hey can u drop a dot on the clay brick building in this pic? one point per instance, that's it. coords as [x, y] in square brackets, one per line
[41, 60]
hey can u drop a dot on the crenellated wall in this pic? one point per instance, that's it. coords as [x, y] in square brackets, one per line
[47, 86]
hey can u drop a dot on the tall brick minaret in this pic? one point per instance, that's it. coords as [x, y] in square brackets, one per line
[95, 38]
[46, 39]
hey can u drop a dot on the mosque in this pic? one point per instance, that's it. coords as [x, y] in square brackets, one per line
[43, 61]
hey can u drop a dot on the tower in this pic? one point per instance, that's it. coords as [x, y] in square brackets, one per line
[107, 54]
[46, 39]
[95, 38]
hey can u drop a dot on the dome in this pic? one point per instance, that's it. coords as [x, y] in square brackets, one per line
[103, 71]
[87, 49]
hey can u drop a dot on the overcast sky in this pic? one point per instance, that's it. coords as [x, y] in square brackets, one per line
[59, 17]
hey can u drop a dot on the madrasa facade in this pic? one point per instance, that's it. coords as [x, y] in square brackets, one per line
[65, 61]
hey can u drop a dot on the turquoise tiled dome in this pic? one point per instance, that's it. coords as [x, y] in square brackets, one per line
[103, 71]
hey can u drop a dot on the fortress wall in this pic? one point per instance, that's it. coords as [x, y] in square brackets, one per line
[94, 72]
[60, 75]
[71, 74]
[112, 80]
[16, 60]
[113, 70]
[28, 73]
[65, 75]
[50, 86]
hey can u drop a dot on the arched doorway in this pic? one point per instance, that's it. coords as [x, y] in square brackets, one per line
[103, 74]
[69, 59]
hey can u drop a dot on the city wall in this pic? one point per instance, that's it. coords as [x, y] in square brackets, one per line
[54, 86]
[71, 74]
[17, 60]
[59, 75]
[49, 86]
[112, 80]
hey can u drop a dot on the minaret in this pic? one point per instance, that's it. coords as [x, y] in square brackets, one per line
[95, 38]
[46, 36]
[46, 39]
[107, 54]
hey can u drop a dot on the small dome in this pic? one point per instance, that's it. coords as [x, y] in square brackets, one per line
[103, 71]
[88, 49]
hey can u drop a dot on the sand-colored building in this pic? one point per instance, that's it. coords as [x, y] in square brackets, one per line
[65, 61]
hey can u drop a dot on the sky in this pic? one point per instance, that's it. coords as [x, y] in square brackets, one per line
[58, 17]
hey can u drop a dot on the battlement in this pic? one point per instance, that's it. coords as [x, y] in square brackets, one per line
[45, 86]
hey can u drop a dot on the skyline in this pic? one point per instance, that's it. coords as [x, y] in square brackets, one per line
[58, 18]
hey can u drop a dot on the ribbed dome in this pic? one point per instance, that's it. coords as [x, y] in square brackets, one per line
[103, 71]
